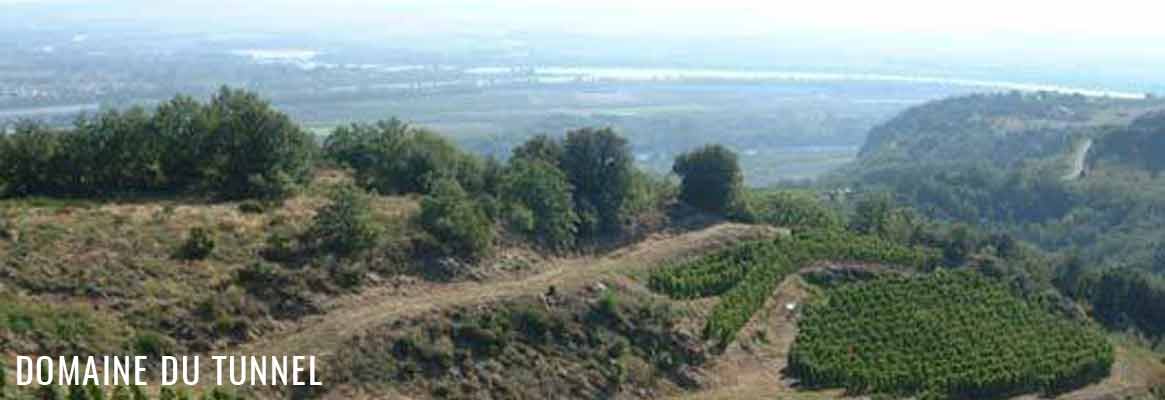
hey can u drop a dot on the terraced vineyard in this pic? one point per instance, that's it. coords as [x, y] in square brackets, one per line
[745, 276]
[945, 334]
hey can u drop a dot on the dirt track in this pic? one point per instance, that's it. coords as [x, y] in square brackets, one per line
[321, 334]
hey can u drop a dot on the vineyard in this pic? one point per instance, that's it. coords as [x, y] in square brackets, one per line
[945, 334]
[744, 276]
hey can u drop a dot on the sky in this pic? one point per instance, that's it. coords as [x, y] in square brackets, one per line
[1075, 19]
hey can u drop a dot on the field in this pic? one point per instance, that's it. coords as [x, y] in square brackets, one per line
[744, 276]
[927, 335]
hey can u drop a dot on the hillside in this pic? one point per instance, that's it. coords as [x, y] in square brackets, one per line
[414, 269]
[1071, 175]
[1001, 129]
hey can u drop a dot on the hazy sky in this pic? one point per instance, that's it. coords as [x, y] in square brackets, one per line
[1095, 19]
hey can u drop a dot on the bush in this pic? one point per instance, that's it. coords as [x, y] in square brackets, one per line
[199, 245]
[120, 393]
[789, 209]
[343, 227]
[712, 180]
[152, 345]
[451, 217]
[539, 194]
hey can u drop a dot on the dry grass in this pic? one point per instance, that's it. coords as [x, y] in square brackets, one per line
[118, 256]
[354, 314]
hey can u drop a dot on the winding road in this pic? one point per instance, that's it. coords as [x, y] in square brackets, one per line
[1079, 155]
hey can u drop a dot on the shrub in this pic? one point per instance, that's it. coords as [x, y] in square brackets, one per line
[451, 217]
[540, 195]
[199, 245]
[608, 306]
[95, 392]
[712, 180]
[789, 209]
[343, 227]
[120, 393]
[152, 344]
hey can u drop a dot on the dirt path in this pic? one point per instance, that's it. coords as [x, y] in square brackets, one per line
[320, 335]
[1079, 155]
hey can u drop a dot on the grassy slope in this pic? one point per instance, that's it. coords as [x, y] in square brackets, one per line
[114, 260]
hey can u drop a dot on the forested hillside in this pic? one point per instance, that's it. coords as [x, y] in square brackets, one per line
[1077, 176]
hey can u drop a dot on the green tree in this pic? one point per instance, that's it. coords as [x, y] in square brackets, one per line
[598, 164]
[360, 145]
[451, 217]
[391, 157]
[167, 394]
[344, 226]
[254, 150]
[183, 126]
[541, 191]
[28, 159]
[872, 212]
[711, 179]
[540, 147]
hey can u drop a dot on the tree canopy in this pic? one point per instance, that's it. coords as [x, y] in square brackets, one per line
[712, 180]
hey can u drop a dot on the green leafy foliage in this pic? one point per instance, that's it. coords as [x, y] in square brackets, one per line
[120, 393]
[392, 157]
[79, 393]
[711, 178]
[59, 328]
[789, 209]
[946, 334]
[1139, 145]
[344, 226]
[460, 227]
[1122, 298]
[199, 245]
[746, 275]
[598, 164]
[541, 191]
[236, 146]
[539, 148]
[50, 392]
